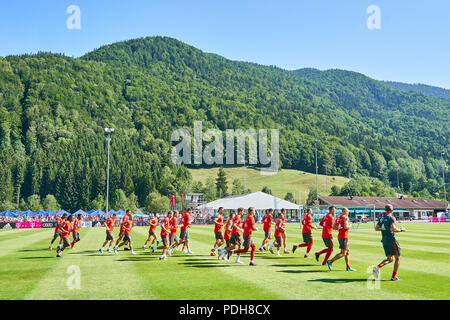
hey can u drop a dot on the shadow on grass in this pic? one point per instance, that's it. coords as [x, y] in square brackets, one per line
[274, 257]
[206, 265]
[141, 258]
[292, 265]
[34, 250]
[84, 252]
[339, 280]
[31, 258]
[301, 271]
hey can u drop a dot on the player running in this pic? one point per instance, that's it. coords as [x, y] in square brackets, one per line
[267, 225]
[59, 224]
[173, 238]
[227, 237]
[184, 233]
[249, 227]
[165, 234]
[327, 234]
[235, 239]
[127, 226]
[66, 228]
[110, 223]
[76, 230]
[279, 228]
[218, 225]
[122, 230]
[307, 223]
[154, 222]
[387, 225]
[343, 224]
[283, 232]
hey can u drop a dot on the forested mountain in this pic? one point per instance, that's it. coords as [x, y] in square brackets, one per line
[53, 110]
[421, 88]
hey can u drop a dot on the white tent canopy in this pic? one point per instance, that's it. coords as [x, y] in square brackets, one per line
[259, 200]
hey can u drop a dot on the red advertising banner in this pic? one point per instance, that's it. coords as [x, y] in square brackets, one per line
[174, 200]
[182, 199]
[28, 225]
[438, 220]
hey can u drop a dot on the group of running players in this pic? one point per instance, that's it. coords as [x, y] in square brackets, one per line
[231, 237]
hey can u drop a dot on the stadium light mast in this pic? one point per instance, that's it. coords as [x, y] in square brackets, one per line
[317, 175]
[443, 176]
[108, 131]
[244, 175]
[398, 181]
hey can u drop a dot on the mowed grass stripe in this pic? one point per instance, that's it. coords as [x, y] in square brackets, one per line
[407, 244]
[23, 240]
[103, 276]
[22, 268]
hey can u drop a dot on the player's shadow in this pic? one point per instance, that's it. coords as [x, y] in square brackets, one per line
[34, 250]
[301, 271]
[32, 258]
[274, 257]
[139, 258]
[204, 264]
[86, 252]
[339, 280]
[291, 265]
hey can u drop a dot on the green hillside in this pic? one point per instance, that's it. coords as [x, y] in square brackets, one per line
[286, 180]
[53, 110]
[421, 88]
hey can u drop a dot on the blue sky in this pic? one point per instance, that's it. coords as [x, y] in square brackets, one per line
[413, 44]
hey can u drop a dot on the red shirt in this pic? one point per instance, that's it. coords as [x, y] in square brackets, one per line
[267, 220]
[343, 233]
[66, 228]
[128, 224]
[278, 227]
[76, 225]
[110, 224]
[227, 235]
[218, 227]
[124, 220]
[307, 223]
[166, 224]
[153, 223]
[59, 224]
[327, 224]
[185, 221]
[249, 226]
[173, 226]
[237, 222]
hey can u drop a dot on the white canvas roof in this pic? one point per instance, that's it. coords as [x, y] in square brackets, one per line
[259, 200]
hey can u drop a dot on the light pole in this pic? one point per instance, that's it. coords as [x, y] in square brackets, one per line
[443, 176]
[398, 181]
[108, 131]
[244, 176]
[317, 175]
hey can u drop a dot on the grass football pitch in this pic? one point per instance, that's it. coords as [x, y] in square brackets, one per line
[28, 270]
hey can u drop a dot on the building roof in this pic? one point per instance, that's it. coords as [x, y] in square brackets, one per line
[380, 202]
[259, 200]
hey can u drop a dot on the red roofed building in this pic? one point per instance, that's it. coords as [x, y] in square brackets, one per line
[417, 208]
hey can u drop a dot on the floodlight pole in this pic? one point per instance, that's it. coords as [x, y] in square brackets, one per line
[108, 139]
[244, 176]
[443, 176]
[398, 181]
[317, 177]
